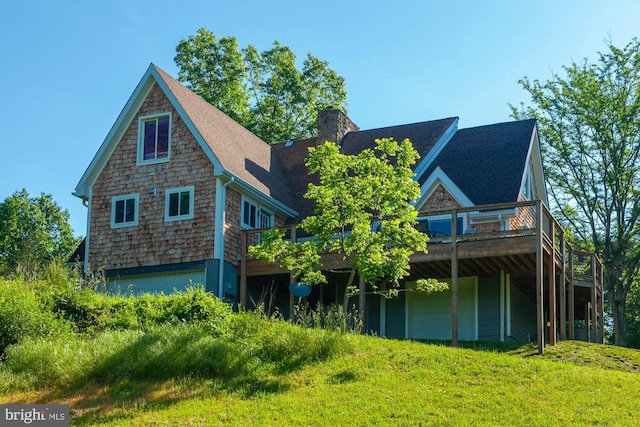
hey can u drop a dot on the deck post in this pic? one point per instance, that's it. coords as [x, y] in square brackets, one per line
[601, 306]
[454, 278]
[539, 279]
[563, 287]
[243, 271]
[572, 299]
[552, 285]
[594, 301]
[587, 321]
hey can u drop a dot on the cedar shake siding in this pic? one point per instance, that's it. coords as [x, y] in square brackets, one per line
[233, 228]
[153, 241]
[439, 203]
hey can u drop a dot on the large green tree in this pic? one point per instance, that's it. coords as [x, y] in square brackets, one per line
[363, 211]
[263, 91]
[589, 120]
[33, 232]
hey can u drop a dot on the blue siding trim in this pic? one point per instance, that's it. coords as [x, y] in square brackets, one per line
[395, 319]
[523, 317]
[489, 308]
[165, 268]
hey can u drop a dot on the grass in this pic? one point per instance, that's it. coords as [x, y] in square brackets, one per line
[277, 376]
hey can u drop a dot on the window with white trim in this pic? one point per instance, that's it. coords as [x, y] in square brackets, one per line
[178, 204]
[527, 187]
[154, 138]
[254, 216]
[124, 211]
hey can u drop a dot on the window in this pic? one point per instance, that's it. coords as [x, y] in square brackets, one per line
[255, 217]
[124, 211]
[527, 188]
[154, 139]
[178, 204]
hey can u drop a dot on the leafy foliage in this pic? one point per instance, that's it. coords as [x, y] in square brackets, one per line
[93, 312]
[363, 211]
[263, 91]
[23, 314]
[590, 124]
[33, 232]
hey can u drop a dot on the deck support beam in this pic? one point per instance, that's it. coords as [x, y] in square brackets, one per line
[594, 301]
[553, 321]
[454, 278]
[563, 287]
[572, 300]
[539, 279]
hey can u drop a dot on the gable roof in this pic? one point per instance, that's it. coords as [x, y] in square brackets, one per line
[233, 150]
[424, 136]
[487, 163]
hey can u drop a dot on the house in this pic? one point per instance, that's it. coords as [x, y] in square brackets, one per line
[178, 190]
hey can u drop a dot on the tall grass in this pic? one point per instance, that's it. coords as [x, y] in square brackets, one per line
[250, 347]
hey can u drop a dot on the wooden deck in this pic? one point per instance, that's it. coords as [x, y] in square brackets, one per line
[522, 239]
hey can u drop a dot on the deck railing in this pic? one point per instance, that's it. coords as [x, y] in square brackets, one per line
[496, 221]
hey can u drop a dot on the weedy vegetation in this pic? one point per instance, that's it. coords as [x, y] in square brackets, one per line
[188, 359]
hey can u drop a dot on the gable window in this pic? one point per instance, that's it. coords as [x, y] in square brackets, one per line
[154, 139]
[124, 211]
[178, 204]
[255, 217]
[527, 188]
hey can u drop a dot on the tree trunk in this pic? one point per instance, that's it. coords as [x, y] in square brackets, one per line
[347, 293]
[618, 310]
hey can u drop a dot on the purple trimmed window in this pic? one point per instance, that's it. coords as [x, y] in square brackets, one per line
[156, 138]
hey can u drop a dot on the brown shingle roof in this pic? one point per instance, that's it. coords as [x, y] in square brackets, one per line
[423, 135]
[239, 151]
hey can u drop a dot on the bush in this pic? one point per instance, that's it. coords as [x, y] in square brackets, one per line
[94, 312]
[23, 314]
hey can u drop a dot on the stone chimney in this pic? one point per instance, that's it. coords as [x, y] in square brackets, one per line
[333, 125]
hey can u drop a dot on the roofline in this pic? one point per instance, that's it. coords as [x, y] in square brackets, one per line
[120, 126]
[437, 148]
[405, 124]
[251, 191]
[535, 143]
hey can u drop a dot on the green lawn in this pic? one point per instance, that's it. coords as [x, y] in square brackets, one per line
[373, 381]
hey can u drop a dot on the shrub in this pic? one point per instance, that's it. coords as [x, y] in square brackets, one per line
[93, 312]
[22, 314]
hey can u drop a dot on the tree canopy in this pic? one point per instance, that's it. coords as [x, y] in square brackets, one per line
[33, 232]
[589, 121]
[264, 91]
[363, 211]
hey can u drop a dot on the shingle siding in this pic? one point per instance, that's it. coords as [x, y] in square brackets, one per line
[153, 241]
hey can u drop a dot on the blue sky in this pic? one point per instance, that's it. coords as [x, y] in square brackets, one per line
[67, 68]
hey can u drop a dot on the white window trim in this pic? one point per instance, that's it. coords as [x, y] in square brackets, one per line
[170, 191]
[114, 200]
[141, 121]
[258, 210]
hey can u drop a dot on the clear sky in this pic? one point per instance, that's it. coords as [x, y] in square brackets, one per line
[67, 67]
